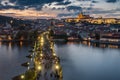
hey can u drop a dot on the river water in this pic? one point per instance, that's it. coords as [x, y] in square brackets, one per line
[78, 61]
[82, 62]
[12, 55]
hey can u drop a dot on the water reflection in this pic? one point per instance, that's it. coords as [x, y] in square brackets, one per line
[21, 43]
[11, 57]
[80, 62]
[0, 44]
[89, 44]
[105, 45]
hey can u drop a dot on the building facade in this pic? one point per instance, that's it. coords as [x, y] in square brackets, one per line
[87, 18]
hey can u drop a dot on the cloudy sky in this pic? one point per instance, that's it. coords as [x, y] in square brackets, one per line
[59, 8]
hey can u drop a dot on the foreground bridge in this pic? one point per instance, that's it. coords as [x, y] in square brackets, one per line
[45, 63]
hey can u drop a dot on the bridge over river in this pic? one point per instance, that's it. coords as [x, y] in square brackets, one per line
[46, 64]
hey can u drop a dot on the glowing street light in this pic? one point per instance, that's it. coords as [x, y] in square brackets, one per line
[56, 62]
[39, 67]
[42, 40]
[28, 63]
[54, 54]
[41, 55]
[57, 67]
[28, 67]
[22, 76]
[39, 37]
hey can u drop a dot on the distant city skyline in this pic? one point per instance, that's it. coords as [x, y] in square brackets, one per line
[59, 8]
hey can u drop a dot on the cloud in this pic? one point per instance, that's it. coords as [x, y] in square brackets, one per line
[11, 7]
[74, 8]
[29, 13]
[83, 0]
[94, 1]
[63, 3]
[62, 15]
[69, 15]
[6, 2]
[34, 2]
[37, 4]
[112, 13]
[59, 8]
[112, 1]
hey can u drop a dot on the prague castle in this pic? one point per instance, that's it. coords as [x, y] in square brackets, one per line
[79, 18]
[87, 18]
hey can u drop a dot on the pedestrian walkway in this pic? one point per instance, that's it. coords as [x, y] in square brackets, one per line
[47, 64]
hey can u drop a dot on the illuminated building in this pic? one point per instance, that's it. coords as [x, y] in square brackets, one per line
[9, 37]
[104, 21]
[110, 37]
[79, 18]
[59, 25]
[87, 18]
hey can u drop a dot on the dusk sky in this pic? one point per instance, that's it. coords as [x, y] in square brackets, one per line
[59, 8]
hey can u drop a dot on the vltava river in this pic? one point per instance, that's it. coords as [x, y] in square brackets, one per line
[12, 55]
[80, 62]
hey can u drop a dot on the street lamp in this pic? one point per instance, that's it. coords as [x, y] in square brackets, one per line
[22, 76]
[57, 66]
[54, 54]
[41, 55]
[39, 67]
[42, 40]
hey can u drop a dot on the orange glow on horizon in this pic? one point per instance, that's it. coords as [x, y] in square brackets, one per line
[26, 13]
